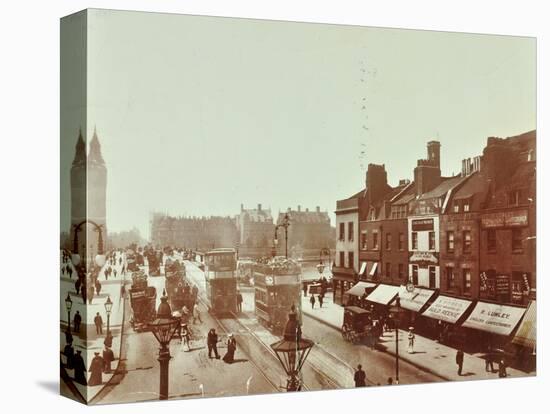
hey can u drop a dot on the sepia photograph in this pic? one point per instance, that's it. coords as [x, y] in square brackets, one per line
[257, 206]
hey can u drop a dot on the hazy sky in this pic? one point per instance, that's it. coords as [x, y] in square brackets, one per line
[197, 115]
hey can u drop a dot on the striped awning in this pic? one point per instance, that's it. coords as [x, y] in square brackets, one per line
[526, 334]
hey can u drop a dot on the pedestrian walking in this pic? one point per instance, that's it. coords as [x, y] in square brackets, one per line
[239, 302]
[196, 313]
[229, 356]
[489, 361]
[70, 271]
[320, 299]
[459, 360]
[77, 285]
[312, 301]
[77, 320]
[185, 336]
[90, 293]
[304, 287]
[79, 368]
[212, 342]
[108, 357]
[97, 287]
[114, 272]
[122, 290]
[96, 368]
[360, 377]
[502, 369]
[108, 341]
[123, 270]
[410, 349]
[68, 336]
[98, 321]
[119, 262]
[63, 270]
[68, 351]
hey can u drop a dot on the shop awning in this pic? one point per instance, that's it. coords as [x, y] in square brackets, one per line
[415, 300]
[359, 288]
[373, 269]
[494, 318]
[363, 268]
[383, 294]
[446, 308]
[527, 332]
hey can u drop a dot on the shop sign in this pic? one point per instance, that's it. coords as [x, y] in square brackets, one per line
[505, 219]
[423, 224]
[502, 284]
[424, 257]
[494, 318]
[447, 309]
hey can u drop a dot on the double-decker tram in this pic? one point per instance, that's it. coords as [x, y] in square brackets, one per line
[277, 288]
[220, 267]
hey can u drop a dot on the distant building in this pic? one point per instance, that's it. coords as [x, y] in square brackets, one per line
[307, 230]
[255, 227]
[193, 232]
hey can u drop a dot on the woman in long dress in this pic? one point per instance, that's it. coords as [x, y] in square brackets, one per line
[411, 340]
[229, 356]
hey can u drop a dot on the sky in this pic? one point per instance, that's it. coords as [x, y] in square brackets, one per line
[197, 115]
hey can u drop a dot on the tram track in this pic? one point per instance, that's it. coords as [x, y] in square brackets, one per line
[315, 370]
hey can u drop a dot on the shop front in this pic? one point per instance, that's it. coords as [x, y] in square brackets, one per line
[413, 302]
[525, 339]
[492, 324]
[343, 280]
[381, 297]
[358, 293]
[442, 317]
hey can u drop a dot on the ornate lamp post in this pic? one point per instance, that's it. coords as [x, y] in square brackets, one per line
[321, 265]
[108, 307]
[285, 223]
[292, 351]
[164, 328]
[68, 305]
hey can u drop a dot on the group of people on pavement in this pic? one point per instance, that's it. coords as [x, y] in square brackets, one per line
[212, 343]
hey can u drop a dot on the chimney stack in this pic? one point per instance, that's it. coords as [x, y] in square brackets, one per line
[318, 209]
[242, 207]
[427, 174]
[259, 207]
[299, 208]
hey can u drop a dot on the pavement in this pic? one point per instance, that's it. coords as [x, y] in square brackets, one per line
[88, 341]
[428, 355]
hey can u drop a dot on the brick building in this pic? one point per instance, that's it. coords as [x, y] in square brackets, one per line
[508, 220]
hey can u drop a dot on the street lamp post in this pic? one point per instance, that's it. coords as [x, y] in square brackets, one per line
[285, 223]
[108, 307]
[396, 312]
[292, 351]
[164, 328]
[321, 265]
[68, 305]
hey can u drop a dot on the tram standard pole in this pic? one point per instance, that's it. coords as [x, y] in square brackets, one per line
[398, 304]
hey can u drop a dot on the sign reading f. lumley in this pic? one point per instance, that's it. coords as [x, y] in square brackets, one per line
[494, 318]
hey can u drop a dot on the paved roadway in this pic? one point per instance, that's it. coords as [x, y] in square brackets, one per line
[192, 373]
[331, 361]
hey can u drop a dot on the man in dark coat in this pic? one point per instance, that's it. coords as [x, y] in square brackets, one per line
[459, 360]
[98, 321]
[312, 301]
[79, 368]
[320, 298]
[360, 377]
[68, 336]
[96, 368]
[239, 302]
[97, 287]
[77, 320]
[108, 357]
[68, 351]
[108, 339]
[212, 342]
